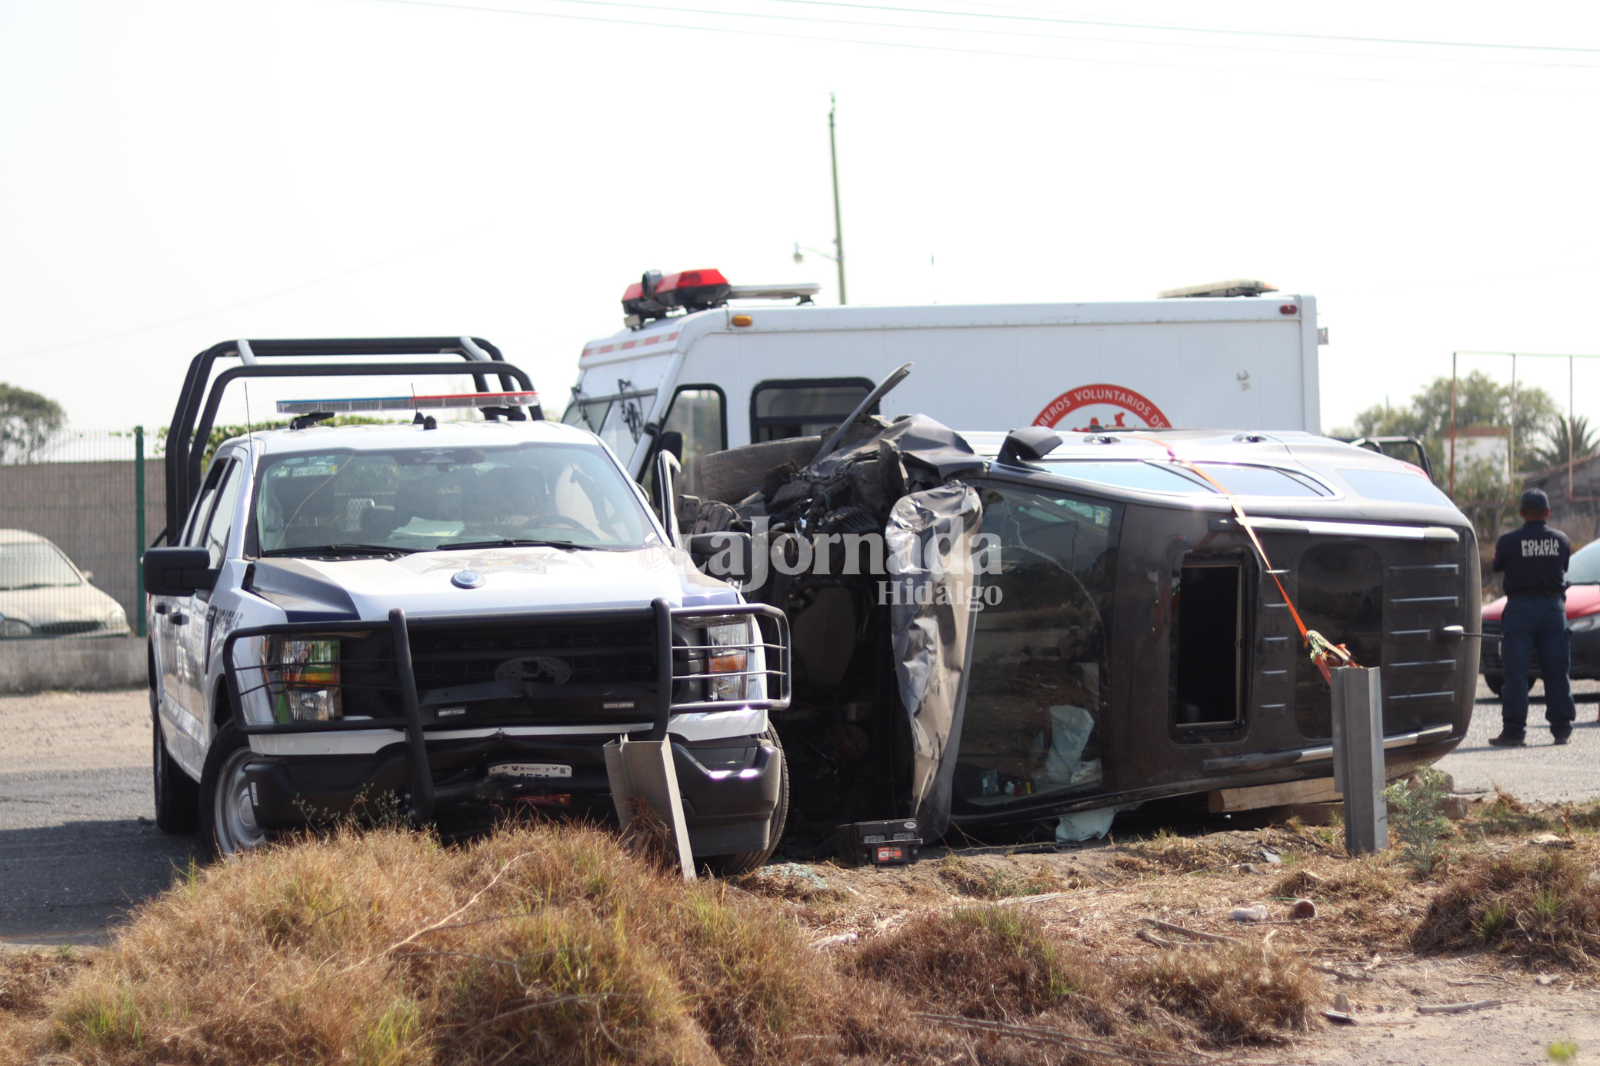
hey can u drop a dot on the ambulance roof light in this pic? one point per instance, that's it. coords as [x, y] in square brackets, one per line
[1231, 287]
[656, 295]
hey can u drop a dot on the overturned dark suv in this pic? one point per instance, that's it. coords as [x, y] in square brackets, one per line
[1063, 627]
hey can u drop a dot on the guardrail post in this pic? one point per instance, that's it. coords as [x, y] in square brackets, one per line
[138, 528]
[1358, 757]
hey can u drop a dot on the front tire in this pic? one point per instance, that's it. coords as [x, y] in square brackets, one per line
[227, 817]
[742, 862]
[177, 796]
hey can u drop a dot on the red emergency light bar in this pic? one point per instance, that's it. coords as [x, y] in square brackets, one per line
[456, 400]
[654, 296]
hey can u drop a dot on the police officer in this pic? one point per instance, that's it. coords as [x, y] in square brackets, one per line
[1534, 560]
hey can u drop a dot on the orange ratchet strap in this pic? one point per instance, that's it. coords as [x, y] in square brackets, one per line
[1324, 654]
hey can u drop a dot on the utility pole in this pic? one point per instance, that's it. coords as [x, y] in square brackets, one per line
[838, 227]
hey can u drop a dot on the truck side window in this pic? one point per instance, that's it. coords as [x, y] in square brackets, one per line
[202, 506]
[697, 412]
[803, 407]
[221, 522]
[1038, 695]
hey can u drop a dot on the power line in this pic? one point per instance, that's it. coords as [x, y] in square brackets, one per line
[949, 49]
[1269, 50]
[1203, 29]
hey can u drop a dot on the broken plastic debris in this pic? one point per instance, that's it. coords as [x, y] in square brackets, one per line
[1249, 914]
[1088, 825]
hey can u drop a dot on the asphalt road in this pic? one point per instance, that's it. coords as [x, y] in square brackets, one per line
[78, 849]
[1539, 771]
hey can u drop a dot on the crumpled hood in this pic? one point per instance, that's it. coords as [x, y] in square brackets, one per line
[513, 580]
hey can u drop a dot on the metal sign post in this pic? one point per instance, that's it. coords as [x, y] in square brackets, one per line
[1358, 757]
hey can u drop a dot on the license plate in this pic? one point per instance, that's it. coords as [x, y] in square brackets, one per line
[531, 769]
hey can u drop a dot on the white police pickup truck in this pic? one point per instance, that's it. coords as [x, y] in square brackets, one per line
[440, 616]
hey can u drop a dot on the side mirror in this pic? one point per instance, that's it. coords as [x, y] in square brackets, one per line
[672, 441]
[665, 492]
[88, 575]
[1028, 445]
[177, 571]
[725, 555]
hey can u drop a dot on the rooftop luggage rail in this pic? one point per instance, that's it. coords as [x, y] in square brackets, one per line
[192, 421]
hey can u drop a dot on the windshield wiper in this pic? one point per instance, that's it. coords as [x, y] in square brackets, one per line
[509, 542]
[341, 549]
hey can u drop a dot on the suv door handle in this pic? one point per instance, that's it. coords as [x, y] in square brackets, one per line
[163, 608]
[179, 618]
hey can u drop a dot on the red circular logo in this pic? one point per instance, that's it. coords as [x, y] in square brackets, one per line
[1100, 408]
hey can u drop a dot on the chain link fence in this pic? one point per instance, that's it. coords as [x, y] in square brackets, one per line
[76, 515]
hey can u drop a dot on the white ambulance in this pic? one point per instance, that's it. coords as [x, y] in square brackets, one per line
[726, 365]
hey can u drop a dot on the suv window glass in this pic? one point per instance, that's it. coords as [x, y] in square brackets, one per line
[217, 529]
[202, 506]
[1400, 486]
[421, 498]
[1149, 477]
[780, 409]
[1261, 480]
[1038, 699]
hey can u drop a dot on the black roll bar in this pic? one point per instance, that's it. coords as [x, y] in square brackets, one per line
[186, 441]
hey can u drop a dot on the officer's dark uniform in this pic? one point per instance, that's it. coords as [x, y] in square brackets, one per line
[1534, 560]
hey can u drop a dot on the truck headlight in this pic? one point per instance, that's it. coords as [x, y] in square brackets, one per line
[14, 627]
[1585, 624]
[729, 657]
[303, 679]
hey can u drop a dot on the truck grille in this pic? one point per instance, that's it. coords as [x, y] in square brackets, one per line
[573, 655]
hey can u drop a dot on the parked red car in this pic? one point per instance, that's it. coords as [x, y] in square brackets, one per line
[1583, 622]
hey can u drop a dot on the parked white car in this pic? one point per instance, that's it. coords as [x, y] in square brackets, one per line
[44, 594]
[458, 615]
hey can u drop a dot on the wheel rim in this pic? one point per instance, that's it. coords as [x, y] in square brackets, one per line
[234, 815]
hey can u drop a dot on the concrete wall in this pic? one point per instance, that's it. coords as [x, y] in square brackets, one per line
[87, 509]
[41, 665]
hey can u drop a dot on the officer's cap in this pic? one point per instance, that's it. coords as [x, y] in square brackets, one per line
[1534, 500]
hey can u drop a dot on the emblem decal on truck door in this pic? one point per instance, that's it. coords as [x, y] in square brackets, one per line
[1093, 408]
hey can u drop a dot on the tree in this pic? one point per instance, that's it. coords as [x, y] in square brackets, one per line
[27, 422]
[1554, 451]
[1480, 401]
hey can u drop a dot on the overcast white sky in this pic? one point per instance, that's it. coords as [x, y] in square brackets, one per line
[177, 173]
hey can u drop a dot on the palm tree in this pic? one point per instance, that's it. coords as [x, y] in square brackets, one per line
[1576, 429]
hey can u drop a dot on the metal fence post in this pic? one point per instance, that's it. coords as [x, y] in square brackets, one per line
[138, 527]
[1358, 757]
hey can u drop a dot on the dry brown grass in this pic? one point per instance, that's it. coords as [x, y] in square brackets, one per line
[1238, 994]
[1537, 906]
[998, 882]
[986, 962]
[550, 944]
[997, 963]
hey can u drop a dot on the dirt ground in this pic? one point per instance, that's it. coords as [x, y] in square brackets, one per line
[1098, 897]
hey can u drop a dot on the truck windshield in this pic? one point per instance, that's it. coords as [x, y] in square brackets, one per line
[418, 499]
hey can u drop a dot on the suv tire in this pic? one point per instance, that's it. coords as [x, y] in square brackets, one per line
[227, 817]
[742, 862]
[177, 796]
[730, 476]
